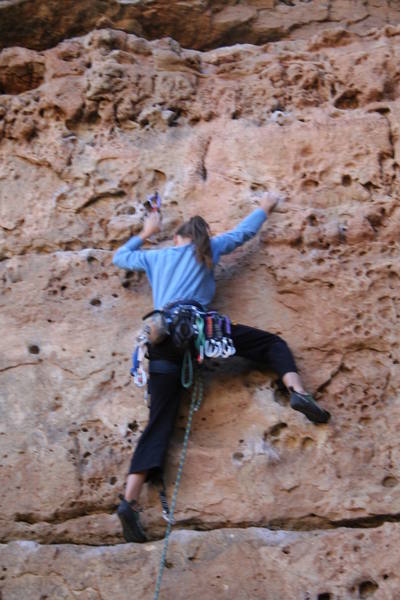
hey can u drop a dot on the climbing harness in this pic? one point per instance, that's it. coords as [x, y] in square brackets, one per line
[193, 330]
[197, 397]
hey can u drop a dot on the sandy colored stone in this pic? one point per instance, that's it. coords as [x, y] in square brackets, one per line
[255, 564]
[323, 274]
[20, 70]
[111, 118]
[234, 16]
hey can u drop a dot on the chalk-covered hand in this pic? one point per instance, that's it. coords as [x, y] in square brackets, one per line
[151, 225]
[270, 200]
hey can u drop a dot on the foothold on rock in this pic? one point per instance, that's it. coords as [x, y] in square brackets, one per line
[390, 482]
[34, 349]
[95, 302]
[367, 589]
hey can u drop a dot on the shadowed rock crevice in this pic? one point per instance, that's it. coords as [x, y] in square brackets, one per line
[62, 529]
[202, 25]
[20, 71]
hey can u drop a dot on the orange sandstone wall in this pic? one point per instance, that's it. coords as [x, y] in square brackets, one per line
[270, 506]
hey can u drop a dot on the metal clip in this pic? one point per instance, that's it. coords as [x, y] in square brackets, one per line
[166, 517]
[140, 377]
[232, 347]
[212, 348]
[226, 350]
[154, 201]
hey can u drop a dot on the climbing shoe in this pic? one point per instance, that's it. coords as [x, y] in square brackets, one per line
[128, 514]
[306, 404]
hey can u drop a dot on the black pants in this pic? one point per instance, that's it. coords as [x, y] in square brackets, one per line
[165, 388]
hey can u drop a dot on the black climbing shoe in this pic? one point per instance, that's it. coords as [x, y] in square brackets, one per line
[128, 514]
[306, 404]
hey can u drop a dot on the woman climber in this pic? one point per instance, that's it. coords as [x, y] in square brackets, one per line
[183, 274]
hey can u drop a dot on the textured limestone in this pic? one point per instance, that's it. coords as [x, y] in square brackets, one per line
[199, 24]
[87, 129]
[232, 563]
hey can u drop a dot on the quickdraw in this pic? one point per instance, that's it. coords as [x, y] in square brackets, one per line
[137, 370]
[219, 343]
[200, 339]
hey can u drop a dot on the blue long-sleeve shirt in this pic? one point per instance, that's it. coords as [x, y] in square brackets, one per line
[175, 273]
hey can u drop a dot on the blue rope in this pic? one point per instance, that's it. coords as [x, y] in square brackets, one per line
[197, 396]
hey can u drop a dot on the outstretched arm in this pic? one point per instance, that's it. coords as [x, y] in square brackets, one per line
[248, 228]
[129, 256]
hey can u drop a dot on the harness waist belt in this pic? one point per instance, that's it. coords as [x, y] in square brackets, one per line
[187, 302]
[164, 366]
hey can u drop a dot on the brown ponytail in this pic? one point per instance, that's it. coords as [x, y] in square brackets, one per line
[198, 231]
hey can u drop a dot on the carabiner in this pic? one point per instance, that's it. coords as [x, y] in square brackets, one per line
[140, 377]
[209, 348]
[226, 348]
[154, 201]
[218, 349]
[166, 517]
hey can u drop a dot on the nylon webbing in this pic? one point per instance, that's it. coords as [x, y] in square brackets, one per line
[197, 396]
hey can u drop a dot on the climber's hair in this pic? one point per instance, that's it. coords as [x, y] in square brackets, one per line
[198, 230]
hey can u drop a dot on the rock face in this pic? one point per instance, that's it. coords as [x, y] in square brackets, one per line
[336, 564]
[87, 129]
[198, 24]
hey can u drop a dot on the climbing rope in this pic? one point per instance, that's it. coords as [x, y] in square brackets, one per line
[197, 396]
[187, 370]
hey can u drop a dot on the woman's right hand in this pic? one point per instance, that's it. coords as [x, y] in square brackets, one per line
[270, 200]
[151, 225]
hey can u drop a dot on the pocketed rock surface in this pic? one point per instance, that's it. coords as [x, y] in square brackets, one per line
[287, 509]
